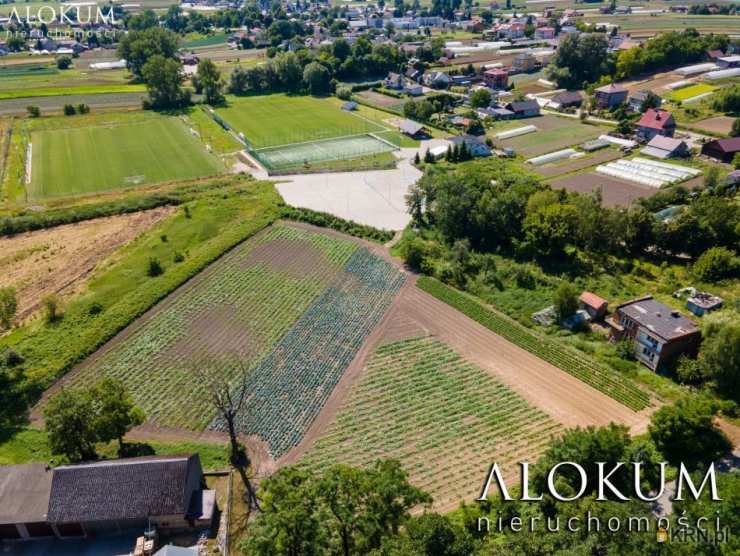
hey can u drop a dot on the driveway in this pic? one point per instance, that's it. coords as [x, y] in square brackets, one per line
[375, 198]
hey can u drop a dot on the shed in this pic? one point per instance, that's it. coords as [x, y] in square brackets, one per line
[703, 302]
[24, 500]
[410, 128]
[594, 305]
[722, 149]
[524, 108]
[566, 99]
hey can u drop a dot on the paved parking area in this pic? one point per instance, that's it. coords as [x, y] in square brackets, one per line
[375, 198]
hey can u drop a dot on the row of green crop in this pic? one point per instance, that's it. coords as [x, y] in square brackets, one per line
[442, 417]
[589, 371]
[234, 312]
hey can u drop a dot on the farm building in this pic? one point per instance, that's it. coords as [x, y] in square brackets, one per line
[727, 62]
[568, 99]
[655, 121]
[722, 149]
[410, 128]
[474, 145]
[106, 496]
[524, 108]
[544, 33]
[702, 302]
[496, 78]
[658, 332]
[524, 62]
[594, 305]
[666, 147]
[610, 96]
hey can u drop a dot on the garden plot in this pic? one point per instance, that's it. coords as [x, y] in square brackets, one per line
[647, 172]
[614, 192]
[445, 419]
[553, 133]
[290, 305]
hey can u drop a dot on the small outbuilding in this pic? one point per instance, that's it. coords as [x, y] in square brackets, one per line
[666, 147]
[723, 150]
[411, 128]
[349, 106]
[702, 302]
[595, 306]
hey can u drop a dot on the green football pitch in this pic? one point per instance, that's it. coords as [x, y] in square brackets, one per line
[93, 159]
[274, 120]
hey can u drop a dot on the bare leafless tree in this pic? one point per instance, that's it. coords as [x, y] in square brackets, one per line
[229, 396]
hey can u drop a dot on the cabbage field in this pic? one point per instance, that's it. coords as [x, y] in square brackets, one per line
[291, 305]
[443, 418]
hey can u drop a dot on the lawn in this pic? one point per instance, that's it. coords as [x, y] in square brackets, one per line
[280, 119]
[292, 306]
[97, 158]
[443, 418]
[553, 133]
[692, 91]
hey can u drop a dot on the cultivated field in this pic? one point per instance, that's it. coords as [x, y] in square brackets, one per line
[290, 305]
[717, 124]
[685, 93]
[445, 419]
[102, 157]
[58, 260]
[568, 166]
[553, 133]
[614, 192]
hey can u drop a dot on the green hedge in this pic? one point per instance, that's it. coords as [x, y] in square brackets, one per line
[325, 220]
[579, 365]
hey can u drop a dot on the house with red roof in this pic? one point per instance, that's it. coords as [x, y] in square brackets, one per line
[594, 305]
[656, 121]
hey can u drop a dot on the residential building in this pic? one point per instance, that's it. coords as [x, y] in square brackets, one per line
[394, 81]
[475, 146]
[104, 496]
[544, 33]
[722, 149]
[658, 332]
[666, 147]
[637, 99]
[655, 121]
[496, 78]
[436, 80]
[524, 62]
[524, 108]
[610, 96]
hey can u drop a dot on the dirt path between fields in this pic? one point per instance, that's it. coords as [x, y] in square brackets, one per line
[415, 313]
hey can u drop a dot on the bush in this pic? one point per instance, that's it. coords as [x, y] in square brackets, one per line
[325, 220]
[83, 108]
[64, 62]
[51, 308]
[154, 268]
[715, 264]
[8, 306]
[344, 93]
[33, 111]
[12, 358]
[179, 257]
[95, 309]
[565, 300]
[69, 110]
[626, 349]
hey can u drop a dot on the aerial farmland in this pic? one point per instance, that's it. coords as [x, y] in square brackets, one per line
[289, 278]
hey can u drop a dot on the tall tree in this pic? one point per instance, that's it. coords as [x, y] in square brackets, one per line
[229, 398]
[115, 411]
[70, 429]
[317, 78]
[164, 78]
[210, 80]
[137, 47]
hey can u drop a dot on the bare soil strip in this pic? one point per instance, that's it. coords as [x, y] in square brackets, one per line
[58, 260]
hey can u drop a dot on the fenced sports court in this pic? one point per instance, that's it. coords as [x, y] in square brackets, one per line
[292, 133]
[296, 155]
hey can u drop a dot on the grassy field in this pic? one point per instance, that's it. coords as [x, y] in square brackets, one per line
[691, 91]
[443, 418]
[217, 215]
[292, 306]
[643, 25]
[279, 119]
[553, 133]
[30, 446]
[87, 160]
[211, 133]
[196, 40]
